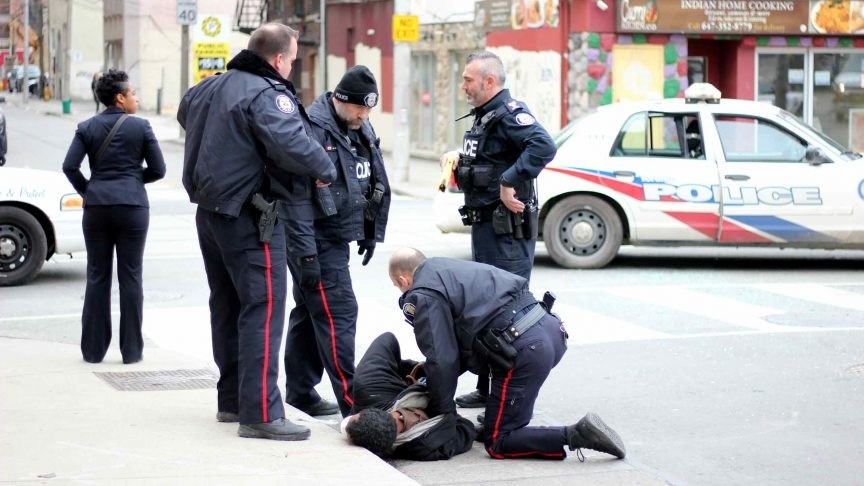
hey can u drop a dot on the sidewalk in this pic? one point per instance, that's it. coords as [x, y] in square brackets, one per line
[64, 423]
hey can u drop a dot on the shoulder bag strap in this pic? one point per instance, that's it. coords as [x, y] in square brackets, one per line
[110, 136]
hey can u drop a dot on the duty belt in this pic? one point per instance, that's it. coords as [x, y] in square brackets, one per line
[518, 327]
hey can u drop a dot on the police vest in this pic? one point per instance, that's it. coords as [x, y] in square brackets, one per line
[475, 172]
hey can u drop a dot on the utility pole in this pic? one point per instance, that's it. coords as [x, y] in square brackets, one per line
[401, 90]
[321, 68]
[25, 82]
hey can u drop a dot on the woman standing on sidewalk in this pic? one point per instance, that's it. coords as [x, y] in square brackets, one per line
[116, 213]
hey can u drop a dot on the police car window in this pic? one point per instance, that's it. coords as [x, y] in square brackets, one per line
[750, 139]
[651, 134]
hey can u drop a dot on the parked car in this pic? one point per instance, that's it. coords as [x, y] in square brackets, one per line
[697, 171]
[40, 216]
[16, 79]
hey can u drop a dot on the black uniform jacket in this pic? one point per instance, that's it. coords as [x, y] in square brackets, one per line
[244, 128]
[348, 224]
[449, 303]
[517, 144]
[119, 177]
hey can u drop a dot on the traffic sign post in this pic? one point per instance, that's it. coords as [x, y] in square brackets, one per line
[187, 12]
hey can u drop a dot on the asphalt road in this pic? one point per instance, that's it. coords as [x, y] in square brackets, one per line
[716, 367]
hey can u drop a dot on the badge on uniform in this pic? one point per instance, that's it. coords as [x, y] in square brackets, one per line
[524, 119]
[371, 100]
[408, 309]
[284, 104]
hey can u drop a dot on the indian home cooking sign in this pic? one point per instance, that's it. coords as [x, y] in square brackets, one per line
[791, 17]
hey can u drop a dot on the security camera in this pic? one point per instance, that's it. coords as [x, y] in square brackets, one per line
[602, 5]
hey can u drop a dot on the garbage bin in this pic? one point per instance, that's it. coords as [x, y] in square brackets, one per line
[67, 106]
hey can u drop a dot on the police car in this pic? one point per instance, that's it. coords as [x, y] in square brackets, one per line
[697, 171]
[40, 216]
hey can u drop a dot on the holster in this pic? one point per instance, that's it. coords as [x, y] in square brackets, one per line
[502, 222]
[268, 217]
[492, 346]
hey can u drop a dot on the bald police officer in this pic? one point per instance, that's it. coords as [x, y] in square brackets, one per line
[469, 315]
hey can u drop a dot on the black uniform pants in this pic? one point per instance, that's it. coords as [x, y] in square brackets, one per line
[513, 393]
[248, 286]
[504, 252]
[321, 329]
[106, 229]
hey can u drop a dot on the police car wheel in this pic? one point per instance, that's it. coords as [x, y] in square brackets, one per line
[582, 232]
[23, 246]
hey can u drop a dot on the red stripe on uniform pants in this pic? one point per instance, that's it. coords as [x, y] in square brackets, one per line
[268, 278]
[332, 325]
[496, 430]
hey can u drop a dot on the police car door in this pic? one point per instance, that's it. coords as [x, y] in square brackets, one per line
[667, 177]
[772, 195]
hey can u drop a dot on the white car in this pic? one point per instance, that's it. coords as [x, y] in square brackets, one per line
[40, 216]
[698, 171]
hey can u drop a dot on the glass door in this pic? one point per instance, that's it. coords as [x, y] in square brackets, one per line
[781, 81]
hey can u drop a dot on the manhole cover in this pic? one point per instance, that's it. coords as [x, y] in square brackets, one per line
[857, 370]
[159, 380]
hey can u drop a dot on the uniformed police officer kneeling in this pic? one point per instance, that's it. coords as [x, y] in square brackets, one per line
[469, 315]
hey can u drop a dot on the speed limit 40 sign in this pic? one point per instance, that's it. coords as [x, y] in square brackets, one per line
[187, 12]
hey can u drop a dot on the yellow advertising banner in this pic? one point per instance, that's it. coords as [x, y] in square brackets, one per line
[637, 72]
[208, 58]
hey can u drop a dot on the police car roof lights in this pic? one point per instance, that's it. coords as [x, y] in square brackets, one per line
[702, 92]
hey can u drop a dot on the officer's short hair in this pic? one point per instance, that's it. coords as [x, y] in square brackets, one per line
[110, 84]
[490, 63]
[372, 429]
[272, 39]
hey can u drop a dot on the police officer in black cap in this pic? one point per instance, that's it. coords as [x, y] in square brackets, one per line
[502, 154]
[469, 315]
[323, 323]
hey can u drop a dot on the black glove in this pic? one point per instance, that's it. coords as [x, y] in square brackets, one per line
[367, 247]
[310, 272]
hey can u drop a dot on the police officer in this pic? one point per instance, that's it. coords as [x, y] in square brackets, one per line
[323, 322]
[245, 133]
[469, 315]
[501, 156]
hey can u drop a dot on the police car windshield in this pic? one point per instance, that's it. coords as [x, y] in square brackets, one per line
[838, 147]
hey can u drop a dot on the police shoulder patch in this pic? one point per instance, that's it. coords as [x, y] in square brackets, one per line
[525, 119]
[408, 309]
[284, 104]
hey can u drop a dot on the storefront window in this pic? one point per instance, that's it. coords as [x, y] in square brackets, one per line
[823, 87]
[781, 81]
[838, 92]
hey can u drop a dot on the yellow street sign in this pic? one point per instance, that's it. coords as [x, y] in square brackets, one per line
[406, 28]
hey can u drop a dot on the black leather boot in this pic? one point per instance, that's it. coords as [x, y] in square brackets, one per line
[592, 433]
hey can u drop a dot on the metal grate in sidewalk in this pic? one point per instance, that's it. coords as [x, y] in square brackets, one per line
[162, 380]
